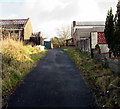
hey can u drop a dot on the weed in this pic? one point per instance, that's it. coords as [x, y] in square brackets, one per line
[58, 54]
[104, 84]
[17, 61]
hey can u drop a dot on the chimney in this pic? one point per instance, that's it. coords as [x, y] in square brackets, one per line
[74, 23]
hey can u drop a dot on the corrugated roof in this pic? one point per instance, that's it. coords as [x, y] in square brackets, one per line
[91, 23]
[13, 23]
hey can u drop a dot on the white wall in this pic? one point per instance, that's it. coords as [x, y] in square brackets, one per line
[104, 48]
[94, 39]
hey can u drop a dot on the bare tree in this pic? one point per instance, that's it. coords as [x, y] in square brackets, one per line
[64, 32]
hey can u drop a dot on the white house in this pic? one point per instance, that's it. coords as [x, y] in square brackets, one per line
[87, 34]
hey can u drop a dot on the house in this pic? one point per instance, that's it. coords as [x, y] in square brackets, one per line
[18, 29]
[36, 38]
[87, 34]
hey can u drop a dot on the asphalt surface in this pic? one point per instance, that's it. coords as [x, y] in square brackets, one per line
[54, 82]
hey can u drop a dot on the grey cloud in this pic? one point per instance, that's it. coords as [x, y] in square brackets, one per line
[104, 6]
[66, 13]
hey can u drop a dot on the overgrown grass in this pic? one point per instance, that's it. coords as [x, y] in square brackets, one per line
[104, 84]
[17, 61]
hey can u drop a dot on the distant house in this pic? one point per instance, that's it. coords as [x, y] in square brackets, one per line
[18, 29]
[36, 38]
[87, 34]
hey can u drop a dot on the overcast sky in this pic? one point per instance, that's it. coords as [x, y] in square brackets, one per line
[47, 15]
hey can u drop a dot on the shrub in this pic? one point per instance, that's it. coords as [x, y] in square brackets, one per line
[17, 60]
[97, 47]
[104, 84]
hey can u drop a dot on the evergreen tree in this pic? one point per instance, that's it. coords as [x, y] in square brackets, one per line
[110, 30]
[117, 31]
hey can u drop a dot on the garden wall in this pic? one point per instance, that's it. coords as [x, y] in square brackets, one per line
[112, 63]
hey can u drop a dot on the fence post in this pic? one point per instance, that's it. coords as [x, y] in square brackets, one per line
[110, 54]
[92, 54]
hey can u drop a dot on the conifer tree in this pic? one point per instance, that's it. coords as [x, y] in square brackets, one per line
[117, 31]
[110, 30]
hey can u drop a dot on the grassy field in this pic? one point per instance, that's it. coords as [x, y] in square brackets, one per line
[17, 61]
[104, 84]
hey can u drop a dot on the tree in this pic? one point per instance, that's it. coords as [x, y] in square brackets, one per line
[63, 33]
[109, 30]
[117, 31]
[57, 42]
[112, 31]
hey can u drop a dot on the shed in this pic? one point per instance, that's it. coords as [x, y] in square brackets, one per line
[18, 29]
[47, 43]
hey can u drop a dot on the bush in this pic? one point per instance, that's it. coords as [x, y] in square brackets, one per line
[17, 60]
[97, 47]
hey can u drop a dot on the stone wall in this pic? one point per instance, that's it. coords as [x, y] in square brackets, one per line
[113, 64]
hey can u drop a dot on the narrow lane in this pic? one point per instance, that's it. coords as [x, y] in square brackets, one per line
[54, 82]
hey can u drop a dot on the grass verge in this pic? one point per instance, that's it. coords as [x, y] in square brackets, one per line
[104, 84]
[17, 61]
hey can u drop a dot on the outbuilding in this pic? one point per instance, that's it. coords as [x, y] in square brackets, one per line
[18, 29]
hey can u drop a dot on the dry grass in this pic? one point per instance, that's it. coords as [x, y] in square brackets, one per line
[104, 84]
[17, 60]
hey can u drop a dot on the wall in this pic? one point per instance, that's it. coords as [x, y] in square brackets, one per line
[84, 45]
[113, 64]
[27, 30]
[104, 48]
[94, 39]
[35, 40]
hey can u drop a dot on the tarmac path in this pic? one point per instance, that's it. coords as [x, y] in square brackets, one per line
[54, 82]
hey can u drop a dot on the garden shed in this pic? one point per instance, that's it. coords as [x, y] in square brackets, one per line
[47, 43]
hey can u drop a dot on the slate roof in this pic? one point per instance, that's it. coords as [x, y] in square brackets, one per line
[13, 23]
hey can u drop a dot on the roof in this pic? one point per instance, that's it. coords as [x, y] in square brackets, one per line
[47, 39]
[70, 38]
[91, 23]
[36, 34]
[13, 23]
[89, 26]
